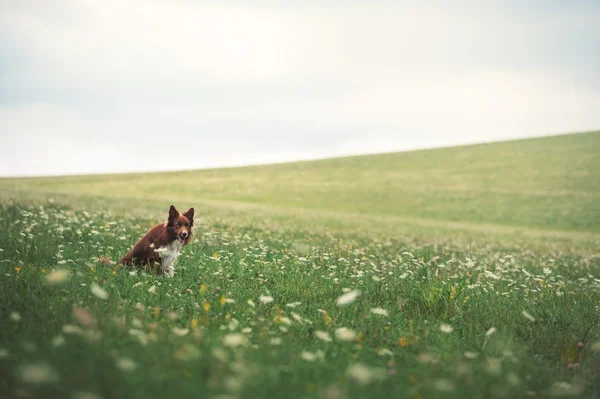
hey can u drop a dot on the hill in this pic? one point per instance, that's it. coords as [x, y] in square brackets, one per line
[549, 184]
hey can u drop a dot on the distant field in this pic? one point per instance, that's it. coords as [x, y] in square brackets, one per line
[550, 183]
[466, 272]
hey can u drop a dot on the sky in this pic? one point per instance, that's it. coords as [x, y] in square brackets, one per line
[108, 86]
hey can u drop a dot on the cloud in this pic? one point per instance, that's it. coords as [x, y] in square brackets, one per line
[117, 82]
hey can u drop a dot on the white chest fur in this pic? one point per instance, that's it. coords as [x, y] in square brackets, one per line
[168, 254]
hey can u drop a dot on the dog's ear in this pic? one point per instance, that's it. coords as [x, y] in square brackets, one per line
[190, 215]
[173, 214]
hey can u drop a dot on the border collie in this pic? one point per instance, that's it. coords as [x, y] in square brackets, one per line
[159, 248]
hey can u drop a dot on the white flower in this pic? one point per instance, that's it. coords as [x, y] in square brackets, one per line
[126, 364]
[446, 328]
[275, 341]
[528, 316]
[365, 375]
[347, 298]
[345, 334]
[72, 329]
[234, 340]
[265, 299]
[251, 303]
[471, 355]
[547, 271]
[152, 289]
[379, 311]
[99, 291]
[57, 341]
[160, 250]
[37, 373]
[293, 304]
[57, 276]
[180, 331]
[309, 357]
[384, 352]
[323, 335]
[490, 331]
[15, 316]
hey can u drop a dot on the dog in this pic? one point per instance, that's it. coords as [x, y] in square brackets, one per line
[159, 248]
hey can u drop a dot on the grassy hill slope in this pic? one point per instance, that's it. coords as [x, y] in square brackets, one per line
[550, 183]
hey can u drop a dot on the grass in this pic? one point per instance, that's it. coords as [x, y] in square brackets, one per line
[465, 287]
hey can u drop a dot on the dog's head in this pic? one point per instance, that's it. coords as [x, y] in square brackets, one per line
[179, 225]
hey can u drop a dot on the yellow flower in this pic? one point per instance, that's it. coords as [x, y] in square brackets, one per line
[206, 306]
[17, 269]
[202, 288]
[222, 300]
[453, 292]
[194, 323]
[43, 271]
[327, 319]
[403, 342]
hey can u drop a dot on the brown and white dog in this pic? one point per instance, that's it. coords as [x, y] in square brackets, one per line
[159, 248]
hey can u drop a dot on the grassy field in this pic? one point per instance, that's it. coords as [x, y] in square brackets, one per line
[460, 272]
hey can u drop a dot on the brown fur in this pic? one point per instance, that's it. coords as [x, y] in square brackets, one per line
[161, 235]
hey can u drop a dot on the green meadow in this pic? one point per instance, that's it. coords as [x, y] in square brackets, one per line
[463, 272]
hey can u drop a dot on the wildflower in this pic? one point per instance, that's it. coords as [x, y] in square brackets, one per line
[547, 271]
[265, 299]
[180, 331]
[15, 316]
[345, 334]
[292, 305]
[379, 311]
[490, 331]
[152, 289]
[206, 306]
[202, 289]
[17, 269]
[309, 357]
[470, 355]
[37, 373]
[384, 352]
[347, 298]
[323, 335]
[57, 341]
[234, 340]
[126, 364]
[444, 385]
[403, 342]
[365, 375]
[275, 341]
[99, 291]
[528, 316]
[446, 328]
[251, 303]
[82, 316]
[72, 329]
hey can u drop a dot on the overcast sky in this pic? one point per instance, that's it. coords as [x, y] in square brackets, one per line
[91, 86]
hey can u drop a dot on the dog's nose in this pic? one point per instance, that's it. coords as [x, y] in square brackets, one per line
[184, 234]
